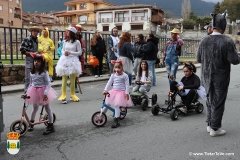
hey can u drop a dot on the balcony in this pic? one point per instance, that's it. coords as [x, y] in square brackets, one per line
[17, 15]
[105, 20]
[156, 19]
[139, 18]
[121, 19]
[87, 22]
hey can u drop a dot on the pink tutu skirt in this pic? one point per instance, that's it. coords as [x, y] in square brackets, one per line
[117, 98]
[36, 95]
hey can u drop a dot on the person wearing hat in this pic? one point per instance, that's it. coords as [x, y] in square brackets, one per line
[209, 28]
[29, 46]
[48, 48]
[69, 64]
[216, 52]
[171, 54]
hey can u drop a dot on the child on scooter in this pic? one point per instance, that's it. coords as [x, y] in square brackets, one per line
[144, 75]
[119, 94]
[40, 92]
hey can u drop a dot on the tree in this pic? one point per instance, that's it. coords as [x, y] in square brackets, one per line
[233, 7]
[193, 16]
[186, 9]
[217, 8]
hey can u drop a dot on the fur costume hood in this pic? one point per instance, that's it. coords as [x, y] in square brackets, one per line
[219, 21]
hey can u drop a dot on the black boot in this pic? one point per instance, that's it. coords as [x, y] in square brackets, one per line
[50, 129]
[115, 123]
[30, 127]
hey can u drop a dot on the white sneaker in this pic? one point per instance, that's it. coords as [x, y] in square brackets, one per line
[64, 101]
[149, 103]
[208, 129]
[218, 132]
[96, 76]
[101, 75]
[130, 87]
[183, 109]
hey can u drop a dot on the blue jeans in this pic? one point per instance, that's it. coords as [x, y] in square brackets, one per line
[130, 79]
[151, 66]
[171, 64]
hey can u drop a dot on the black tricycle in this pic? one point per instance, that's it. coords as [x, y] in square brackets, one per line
[173, 109]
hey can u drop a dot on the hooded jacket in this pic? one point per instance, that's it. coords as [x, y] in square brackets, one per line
[150, 50]
[138, 47]
[47, 43]
[111, 55]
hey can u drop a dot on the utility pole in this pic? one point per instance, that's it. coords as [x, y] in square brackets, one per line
[1, 102]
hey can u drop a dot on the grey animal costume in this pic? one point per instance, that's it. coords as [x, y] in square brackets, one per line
[216, 53]
[29, 44]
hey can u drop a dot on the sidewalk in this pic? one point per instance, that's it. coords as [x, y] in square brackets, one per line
[57, 83]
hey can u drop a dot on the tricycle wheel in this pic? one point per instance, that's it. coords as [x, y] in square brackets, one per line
[155, 110]
[144, 104]
[154, 99]
[15, 127]
[46, 118]
[97, 120]
[173, 114]
[123, 112]
[199, 108]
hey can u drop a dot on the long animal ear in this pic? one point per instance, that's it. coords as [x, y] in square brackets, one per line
[225, 13]
[214, 19]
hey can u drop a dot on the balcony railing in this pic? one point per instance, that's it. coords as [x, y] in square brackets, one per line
[139, 18]
[122, 19]
[87, 22]
[17, 15]
[105, 20]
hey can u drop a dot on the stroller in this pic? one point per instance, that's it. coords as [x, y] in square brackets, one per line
[173, 109]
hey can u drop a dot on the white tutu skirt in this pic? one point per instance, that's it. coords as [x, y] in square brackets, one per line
[68, 65]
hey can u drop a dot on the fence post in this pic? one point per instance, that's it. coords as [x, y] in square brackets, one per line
[11, 46]
[1, 101]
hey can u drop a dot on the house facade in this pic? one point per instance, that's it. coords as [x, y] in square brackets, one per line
[11, 13]
[134, 18]
[82, 11]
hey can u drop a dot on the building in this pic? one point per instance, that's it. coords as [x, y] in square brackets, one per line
[37, 19]
[130, 18]
[82, 11]
[11, 13]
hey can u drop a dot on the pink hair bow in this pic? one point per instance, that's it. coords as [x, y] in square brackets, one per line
[116, 61]
[37, 55]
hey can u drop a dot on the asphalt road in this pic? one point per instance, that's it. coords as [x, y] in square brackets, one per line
[141, 135]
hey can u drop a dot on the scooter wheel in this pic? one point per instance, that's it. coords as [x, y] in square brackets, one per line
[15, 127]
[46, 118]
[144, 104]
[123, 112]
[173, 114]
[154, 99]
[155, 110]
[99, 121]
[199, 108]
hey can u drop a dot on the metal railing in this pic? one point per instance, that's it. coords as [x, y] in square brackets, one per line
[11, 40]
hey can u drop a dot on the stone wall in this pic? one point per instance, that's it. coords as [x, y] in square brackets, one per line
[14, 74]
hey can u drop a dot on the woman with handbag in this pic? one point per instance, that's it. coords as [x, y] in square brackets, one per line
[98, 48]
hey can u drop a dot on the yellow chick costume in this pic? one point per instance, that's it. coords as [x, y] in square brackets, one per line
[47, 49]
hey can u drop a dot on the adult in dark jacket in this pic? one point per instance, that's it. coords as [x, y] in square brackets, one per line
[150, 55]
[98, 48]
[216, 53]
[112, 48]
[125, 54]
[138, 53]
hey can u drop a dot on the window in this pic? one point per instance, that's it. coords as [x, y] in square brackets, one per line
[10, 10]
[105, 28]
[83, 19]
[1, 21]
[137, 27]
[11, 23]
[119, 28]
[17, 1]
[1, 7]
[83, 6]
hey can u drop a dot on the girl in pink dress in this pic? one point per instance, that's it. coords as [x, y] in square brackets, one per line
[119, 94]
[40, 92]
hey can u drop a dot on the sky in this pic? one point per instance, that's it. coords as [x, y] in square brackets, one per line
[214, 1]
